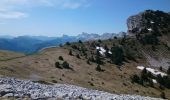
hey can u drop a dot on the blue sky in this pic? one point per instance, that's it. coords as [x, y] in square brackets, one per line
[71, 17]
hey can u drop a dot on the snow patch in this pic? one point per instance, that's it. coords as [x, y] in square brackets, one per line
[153, 71]
[149, 29]
[110, 52]
[102, 51]
[152, 22]
[154, 81]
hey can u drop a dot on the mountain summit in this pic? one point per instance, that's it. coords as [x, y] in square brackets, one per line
[149, 20]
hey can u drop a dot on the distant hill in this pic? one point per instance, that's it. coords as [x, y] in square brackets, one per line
[6, 37]
[19, 44]
[31, 44]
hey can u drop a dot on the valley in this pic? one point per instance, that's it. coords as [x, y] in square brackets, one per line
[108, 64]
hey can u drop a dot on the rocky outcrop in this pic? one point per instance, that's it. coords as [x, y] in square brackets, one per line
[134, 22]
[149, 21]
[11, 87]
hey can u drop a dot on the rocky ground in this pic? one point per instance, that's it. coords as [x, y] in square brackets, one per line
[11, 87]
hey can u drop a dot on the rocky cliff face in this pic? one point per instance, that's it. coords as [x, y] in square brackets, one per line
[152, 28]
[149, 21]
[134, 22]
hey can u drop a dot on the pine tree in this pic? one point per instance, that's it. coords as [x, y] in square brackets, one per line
[92, 59]
[66, 65]
[144, 71]
[70, 52]
[117, 55]
[163, 95]
[151, 84]
[61, 45]
[168, 71]
[97, 53]
[144, 75]
[57, 65]
[98, 60]
[78, 56]
[98, 68]
[135, 79]
[106, 47]
[80, 42]
[99, 41]
[160, 80]
[115, 37]
[88, 61]
[160, 68]
[67, 43]
[60, 58]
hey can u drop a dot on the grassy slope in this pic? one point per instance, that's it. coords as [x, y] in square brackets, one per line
[8, 55]
[114, 80]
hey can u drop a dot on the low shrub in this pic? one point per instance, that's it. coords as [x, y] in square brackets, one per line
[60, 58]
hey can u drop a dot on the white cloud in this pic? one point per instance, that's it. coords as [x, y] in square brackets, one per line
[71, 5]
[5, 14]
[14, 9]
[65, 4]
[8, 4]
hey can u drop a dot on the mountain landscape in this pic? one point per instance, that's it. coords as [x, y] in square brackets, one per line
[36, 43]
[132, 63]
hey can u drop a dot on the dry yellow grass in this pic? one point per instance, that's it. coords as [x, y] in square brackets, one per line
[42, 67]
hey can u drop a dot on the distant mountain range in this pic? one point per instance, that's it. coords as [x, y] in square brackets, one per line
[31, 44]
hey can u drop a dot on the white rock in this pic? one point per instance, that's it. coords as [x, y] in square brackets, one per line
[63, 91]
[8, 95]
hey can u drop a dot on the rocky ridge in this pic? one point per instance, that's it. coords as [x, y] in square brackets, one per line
[11, 87]
[149, 21]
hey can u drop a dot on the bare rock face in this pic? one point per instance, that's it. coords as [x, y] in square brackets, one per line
[149, 21]
[152, 28]
[134, 22]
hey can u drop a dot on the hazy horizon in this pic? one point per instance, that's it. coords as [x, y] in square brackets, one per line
[54, 18]
[12, 36]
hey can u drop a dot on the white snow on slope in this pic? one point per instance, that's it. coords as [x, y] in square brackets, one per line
[149, 29]
[153, 71]
[102, 51]
[152, 22]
